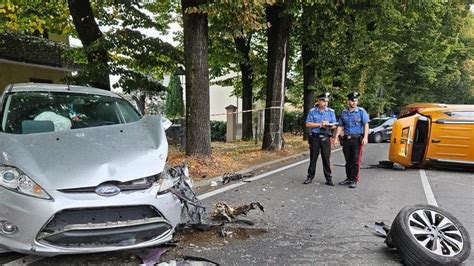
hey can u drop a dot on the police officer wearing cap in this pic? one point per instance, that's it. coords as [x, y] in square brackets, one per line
[321, 120]
[355, 122]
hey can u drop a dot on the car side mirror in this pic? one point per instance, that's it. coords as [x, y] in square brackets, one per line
[385, 126]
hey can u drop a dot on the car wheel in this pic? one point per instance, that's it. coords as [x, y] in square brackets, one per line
[428, 235]
[389, 240]
[378, 138]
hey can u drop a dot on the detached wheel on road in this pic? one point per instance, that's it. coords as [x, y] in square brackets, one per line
[378, 137]
[428, 235]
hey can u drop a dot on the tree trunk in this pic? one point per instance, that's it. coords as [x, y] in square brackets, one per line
[308, 55]
[309, 72]
[277, 42]
[198, 125]
[89, 33]
[243, 47]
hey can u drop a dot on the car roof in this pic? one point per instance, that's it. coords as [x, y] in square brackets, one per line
[47, 87]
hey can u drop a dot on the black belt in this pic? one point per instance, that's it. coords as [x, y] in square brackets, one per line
[352, 136]
[320, 135]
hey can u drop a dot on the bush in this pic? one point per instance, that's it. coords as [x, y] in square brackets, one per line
[218, 130]
[292, 120]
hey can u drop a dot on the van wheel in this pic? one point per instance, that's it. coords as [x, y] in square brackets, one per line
[378, 138]
[428, 235]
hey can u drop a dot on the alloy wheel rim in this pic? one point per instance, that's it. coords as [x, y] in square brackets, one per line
[436, 233]
[378, 138]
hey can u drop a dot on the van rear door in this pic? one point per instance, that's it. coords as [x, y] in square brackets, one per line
[402, 140]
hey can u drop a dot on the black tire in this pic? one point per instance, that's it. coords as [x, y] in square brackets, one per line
[410, 248]
[378, 138]
[389, 240]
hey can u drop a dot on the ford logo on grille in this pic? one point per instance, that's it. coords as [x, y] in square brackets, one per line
[107, 190]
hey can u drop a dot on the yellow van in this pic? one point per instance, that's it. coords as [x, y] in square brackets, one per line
[436, 134]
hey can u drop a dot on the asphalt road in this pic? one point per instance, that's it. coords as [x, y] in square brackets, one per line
[315, 223]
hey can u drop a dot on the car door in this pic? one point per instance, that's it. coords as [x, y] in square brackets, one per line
[401, 142]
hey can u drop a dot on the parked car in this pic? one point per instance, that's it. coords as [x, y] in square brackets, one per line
[81, 171]
[380, 129]
[434, 136]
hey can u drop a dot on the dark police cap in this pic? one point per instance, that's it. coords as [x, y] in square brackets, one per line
[353, 95]
[324, 96]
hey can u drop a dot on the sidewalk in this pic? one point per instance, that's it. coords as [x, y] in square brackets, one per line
[237, 157]
[264, 166]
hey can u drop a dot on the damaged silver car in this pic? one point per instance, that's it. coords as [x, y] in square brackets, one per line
[81, 171]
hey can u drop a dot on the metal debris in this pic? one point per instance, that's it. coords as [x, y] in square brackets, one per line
[183, 190]
[381, 229]
[227, 177]
[380, 165]
[223, 232]
[223, 211]
[189, 260]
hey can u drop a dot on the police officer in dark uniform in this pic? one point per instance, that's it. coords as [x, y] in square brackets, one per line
[321, 120]
[355, 123]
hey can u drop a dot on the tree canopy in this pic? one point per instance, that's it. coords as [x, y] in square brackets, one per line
[394, 53]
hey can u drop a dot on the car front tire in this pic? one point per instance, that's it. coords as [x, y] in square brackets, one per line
[428, 235]
[377, 138]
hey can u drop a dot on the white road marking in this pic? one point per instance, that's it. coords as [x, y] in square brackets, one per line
[25, 260]
[226, 188]
[32, 258]
[427, 188]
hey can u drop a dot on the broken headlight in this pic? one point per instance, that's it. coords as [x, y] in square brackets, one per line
[166, 181]
[15, 180]
[139, 184]
[172, 176]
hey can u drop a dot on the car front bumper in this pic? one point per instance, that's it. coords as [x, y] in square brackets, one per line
[34, 219]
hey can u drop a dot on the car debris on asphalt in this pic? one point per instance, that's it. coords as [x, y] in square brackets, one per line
[381, 229]
[189, 260]
[227, 177]
[223, 211]
[380, 165]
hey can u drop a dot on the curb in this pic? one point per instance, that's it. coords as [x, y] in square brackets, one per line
[203, 183]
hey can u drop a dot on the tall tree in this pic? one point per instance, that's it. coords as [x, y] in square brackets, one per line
[174, 100]
[243, 47]
[195, 25]
[89, 33]
[232, 29]
[308, 55]
[277, 40]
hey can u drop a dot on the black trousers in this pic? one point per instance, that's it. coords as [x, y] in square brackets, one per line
[352, 149]
[319, 144]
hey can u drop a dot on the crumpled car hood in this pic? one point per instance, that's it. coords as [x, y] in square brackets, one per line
[90, 156]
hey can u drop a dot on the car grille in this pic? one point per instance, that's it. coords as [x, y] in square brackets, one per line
[123, 186]
[108, 226]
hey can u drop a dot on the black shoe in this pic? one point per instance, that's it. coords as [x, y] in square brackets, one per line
[353, 184]
[330, 183]
[308, 180]
[345, 182]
